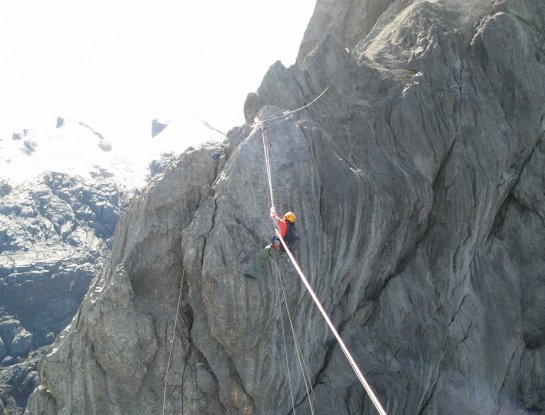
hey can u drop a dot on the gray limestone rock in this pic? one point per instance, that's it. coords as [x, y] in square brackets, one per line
[418, 183]
[159, 166]
[251, 107]
[20, 345]
[348, 21]
[3, 350]
[16, 340]
[157, 126]
[54, 237]
[18, 381]
[5, 188]
[29, 146]
[105, 146]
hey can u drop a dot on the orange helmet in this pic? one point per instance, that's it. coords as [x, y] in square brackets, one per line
[290, 217]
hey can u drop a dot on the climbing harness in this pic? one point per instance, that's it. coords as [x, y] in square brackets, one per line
[345, 350]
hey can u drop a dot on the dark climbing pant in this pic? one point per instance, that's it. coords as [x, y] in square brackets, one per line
[262, 256]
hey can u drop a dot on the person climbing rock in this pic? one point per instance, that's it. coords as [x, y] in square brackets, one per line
[286, 225]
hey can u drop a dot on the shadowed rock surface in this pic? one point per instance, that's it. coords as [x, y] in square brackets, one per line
[54, 236]
[418, 182]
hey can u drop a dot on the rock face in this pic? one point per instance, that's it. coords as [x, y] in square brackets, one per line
[54, 236]
[158, 166]
[348, 21]
[418, 182]
[157, 126]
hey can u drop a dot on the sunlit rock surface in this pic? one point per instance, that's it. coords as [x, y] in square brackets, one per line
[418, 183]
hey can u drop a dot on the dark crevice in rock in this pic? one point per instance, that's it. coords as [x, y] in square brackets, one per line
[307, 397]
[527, 160]
[457, 311]
[466, 335]
[458, 111]
[404, 262]
[251, 231]
[321, 373]
[322, 206]
[441, 170]
[213, 217]
[221, 157]
[510, 198]
[189, 318]
[506, 377]
[187, 314]
[301, 402]
[207, 236]
[345, 297]
[431, 394]
[528, 208]
[497, 223]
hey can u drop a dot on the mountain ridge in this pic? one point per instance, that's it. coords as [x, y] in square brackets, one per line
[417, 180]
[76, 148]
[56, 234]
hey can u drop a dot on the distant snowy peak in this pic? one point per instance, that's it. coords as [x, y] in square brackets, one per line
[28, 140]
[74, 147]
[158, 125]
[102, 143]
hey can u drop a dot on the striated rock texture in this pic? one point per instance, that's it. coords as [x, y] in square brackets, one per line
[55, 233]
[418, 182]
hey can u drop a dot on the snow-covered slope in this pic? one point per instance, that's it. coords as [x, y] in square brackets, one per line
[76, 148]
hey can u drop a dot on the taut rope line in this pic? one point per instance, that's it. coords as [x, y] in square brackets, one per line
[298, 109]
[345, 350]
[267, 163]
[284, 339]
[299, 352]
[172, 341]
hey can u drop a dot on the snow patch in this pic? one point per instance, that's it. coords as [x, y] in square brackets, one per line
[76, 148]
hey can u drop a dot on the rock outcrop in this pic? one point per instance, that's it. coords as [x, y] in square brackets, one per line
[55, 234]
[157, 126]
[418, 182]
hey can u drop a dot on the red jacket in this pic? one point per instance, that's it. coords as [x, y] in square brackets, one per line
[283, 227]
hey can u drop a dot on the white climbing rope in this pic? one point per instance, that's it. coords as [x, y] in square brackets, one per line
[278, 119]
[172, 341]
[345, 350]
[299, 352]
[284, 339]
[267, 163]
[288, 113]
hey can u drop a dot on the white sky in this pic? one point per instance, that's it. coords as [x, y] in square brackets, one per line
[117, 64]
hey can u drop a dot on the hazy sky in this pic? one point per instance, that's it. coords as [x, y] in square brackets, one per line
[119, 63]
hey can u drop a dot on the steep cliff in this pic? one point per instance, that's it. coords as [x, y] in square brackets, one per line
[418, 182]
[55, 235]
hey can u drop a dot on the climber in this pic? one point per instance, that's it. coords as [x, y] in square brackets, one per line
[275, 248]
